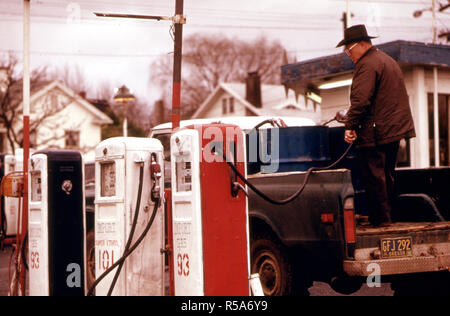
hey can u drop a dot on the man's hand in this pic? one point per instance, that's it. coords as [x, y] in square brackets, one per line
[350, 136]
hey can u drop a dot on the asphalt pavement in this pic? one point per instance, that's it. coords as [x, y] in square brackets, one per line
[318, 289]
[4, 263]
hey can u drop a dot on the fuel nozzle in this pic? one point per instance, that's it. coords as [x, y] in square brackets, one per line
[155, 172]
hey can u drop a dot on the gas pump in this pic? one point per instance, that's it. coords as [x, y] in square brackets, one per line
[129, 211]
[56, 224]
[209, 219]
[11, 164]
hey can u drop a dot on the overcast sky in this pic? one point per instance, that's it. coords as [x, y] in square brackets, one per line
[121, 51]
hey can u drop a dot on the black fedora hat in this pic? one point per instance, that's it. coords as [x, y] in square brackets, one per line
[355, 33]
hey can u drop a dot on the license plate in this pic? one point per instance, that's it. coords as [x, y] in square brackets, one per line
[396, 247]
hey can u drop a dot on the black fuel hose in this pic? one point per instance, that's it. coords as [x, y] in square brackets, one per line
[271, 121]
[129, 252]
[298, 192]
[133, 228]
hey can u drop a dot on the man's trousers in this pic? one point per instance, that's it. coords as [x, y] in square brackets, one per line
[377, 169]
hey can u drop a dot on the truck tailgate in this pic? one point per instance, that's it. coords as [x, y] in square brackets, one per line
[428, 247]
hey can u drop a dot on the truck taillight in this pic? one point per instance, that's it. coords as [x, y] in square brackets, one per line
[349, 221]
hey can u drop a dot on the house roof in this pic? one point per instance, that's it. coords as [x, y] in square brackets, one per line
[274, 100]
[100, 117]
[300, 76]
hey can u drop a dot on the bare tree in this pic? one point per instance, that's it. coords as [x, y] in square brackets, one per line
[11, 92]
[105, 91]
[211, 59]
[72, 75]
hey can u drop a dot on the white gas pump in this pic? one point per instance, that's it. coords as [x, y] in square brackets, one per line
[209, 212]
[56, 224]
[128, 201]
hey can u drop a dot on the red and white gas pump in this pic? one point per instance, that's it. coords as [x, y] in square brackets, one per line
[11, 204]
[209, 212]
[129, 195]
[13, 164]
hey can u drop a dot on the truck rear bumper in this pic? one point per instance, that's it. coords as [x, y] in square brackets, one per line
[397, 266]
[426, 258]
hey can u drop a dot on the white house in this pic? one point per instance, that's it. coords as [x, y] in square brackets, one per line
[63, 120]
[235, 99]
[426, 70]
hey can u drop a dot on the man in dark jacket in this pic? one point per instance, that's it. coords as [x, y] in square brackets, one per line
[378, 118]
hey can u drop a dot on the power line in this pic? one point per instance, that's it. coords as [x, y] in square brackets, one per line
[109, 55]
[81, 54]
[397, 2]
[319, 25]
[229, 13]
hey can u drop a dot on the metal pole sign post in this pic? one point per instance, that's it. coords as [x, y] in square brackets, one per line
[26, 146]
[176, 100]
[178, 20]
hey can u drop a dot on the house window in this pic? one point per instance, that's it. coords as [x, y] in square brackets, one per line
[404, 154]
[227, 105]
[72, 139]
[2, 142]
[444, 125]
[54, 101]
[224, 106]
[231, 101]
[33, 139]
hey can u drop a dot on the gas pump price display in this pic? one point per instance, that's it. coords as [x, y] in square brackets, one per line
[184, 176]
[108, 176]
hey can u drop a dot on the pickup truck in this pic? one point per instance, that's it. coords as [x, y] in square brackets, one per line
[323, 235]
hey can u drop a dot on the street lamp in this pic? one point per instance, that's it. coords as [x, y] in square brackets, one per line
[123, 95]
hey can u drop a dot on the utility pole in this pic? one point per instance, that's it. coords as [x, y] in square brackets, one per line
[178, 20]
[436, 144]
[447, 32]
[437, 150]
[176, 97]
[347, 16]
[433, 10]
